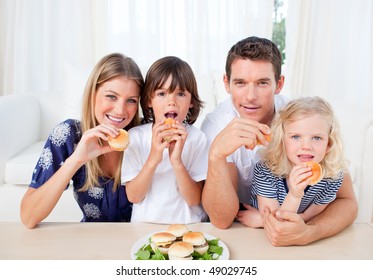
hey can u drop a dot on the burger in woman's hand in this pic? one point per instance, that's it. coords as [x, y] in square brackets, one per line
[121, 142]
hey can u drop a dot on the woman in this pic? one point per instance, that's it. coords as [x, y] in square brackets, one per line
[78, 150]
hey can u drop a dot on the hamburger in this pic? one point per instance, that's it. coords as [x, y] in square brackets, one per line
[121, 142]
[317, 172]
[178, 230]
[180, 251]
[198, 240]
[170, 122]
[162, 241]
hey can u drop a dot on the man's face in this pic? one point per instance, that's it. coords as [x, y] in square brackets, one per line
[253, 87]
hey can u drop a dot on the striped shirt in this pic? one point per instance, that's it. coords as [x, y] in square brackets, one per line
[268, 185]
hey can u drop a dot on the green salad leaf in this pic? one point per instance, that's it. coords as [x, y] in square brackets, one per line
[213, 253]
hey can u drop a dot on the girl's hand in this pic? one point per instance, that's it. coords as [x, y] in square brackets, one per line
[297, 181]
[250, 217]
[176, 147]
[89, 147]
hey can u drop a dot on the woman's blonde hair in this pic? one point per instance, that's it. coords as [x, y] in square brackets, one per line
[109, 67]
[274, 155]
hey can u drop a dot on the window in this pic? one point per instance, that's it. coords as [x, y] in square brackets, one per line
[279, 33]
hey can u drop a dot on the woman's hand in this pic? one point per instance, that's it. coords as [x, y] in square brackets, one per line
[89, 147]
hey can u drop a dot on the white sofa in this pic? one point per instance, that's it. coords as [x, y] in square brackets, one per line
[21, 143]
[25, 123]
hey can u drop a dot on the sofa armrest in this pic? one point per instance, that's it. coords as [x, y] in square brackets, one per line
[19, 126]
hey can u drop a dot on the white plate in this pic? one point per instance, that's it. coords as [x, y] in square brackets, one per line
[145, 240]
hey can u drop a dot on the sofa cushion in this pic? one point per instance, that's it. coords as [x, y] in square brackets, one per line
[66, 210]
[18, 170]
[19, 126]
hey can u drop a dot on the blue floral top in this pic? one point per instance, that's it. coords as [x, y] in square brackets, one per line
[99, 203]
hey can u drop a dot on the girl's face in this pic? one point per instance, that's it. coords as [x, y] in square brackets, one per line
[117, 101]
[306, 139]
[167, 104]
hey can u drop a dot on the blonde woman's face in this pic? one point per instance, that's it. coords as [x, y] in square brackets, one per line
[306, 139]
[117, 101]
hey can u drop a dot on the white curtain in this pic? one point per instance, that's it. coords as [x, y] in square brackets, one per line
[199, 32]
[329, 47]
[39, 37]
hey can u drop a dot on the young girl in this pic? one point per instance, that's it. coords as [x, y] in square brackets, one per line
[305, 130]
[78, 150]
[164, 179]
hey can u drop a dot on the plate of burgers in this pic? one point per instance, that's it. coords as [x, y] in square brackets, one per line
[177, 242]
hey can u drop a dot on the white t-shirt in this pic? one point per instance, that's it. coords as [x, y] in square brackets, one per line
[244, 159]
[164, 203]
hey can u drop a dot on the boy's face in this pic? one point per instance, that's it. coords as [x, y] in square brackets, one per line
[168, 104]
[253, 87]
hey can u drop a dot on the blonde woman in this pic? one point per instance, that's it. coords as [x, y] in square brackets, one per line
[306, 130]
[78, 151]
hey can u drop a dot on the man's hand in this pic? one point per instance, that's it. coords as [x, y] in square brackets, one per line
[284, 228]
[239, 132]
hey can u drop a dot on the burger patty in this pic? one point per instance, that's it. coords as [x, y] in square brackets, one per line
[200, 246]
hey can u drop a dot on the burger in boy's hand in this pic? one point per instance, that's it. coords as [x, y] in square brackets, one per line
[170, 122]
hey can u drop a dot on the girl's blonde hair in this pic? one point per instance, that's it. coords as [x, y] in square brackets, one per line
[109, 67]
[274, 155]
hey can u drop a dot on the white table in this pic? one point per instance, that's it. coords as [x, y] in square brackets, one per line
[90, 241]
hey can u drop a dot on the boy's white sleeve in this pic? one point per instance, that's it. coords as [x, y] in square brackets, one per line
[132, 161]
[198, 167]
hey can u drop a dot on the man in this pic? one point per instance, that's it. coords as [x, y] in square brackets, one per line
[253, 79]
